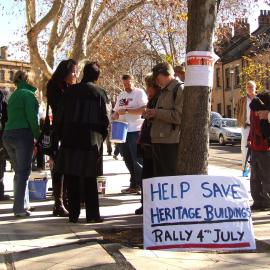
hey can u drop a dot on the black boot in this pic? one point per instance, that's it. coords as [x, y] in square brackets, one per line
[59, 209]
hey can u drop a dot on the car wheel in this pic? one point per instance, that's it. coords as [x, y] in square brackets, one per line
[221, 140]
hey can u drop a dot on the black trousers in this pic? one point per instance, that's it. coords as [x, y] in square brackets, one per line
[59, 189]
[2, 171]
[116, 150]
[260, 178]
[165, 159]
[3, 158]
[147, 170]
[89, 186]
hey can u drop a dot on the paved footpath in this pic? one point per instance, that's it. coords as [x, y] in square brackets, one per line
[45, 242]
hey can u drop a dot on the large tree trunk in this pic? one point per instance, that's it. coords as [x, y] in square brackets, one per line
[194, 140]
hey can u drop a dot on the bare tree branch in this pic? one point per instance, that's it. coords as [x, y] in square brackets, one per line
[34, 31]
[79, 46]
[75, 17]
[100, 9]
[110, 23]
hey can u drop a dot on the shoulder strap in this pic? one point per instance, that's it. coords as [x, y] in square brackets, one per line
[175, 89]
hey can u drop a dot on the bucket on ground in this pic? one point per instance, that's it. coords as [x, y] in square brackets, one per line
[37, 186]
[119, 132]
[101, 184]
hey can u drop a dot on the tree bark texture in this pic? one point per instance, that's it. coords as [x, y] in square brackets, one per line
[194, 138]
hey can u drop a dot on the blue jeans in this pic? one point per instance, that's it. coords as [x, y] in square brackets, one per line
[19, 144]
[133, 163]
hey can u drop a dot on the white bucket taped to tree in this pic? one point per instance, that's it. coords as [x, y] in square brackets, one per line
[200, 68]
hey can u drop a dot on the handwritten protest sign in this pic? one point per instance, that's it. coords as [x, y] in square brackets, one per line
[197, 212]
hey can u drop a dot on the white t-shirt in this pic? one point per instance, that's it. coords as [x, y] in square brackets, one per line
[137, 98]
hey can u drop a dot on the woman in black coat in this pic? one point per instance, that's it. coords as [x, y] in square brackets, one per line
[63, 77]
[81, 125]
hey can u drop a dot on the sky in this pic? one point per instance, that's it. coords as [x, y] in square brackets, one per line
[12, 21]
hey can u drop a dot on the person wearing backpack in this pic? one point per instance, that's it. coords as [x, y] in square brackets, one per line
[166, 121]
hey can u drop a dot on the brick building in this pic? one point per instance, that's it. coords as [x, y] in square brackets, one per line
[227, 70]
[8, 68]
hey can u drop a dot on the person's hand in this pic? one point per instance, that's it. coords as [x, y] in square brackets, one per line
[122, 112]
[115, 116]
[150, 113]
[51, 163]
[35, 150]
[263, 114]
[144, 114]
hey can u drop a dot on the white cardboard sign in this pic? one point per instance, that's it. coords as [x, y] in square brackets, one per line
[197, 212]
[200, 68]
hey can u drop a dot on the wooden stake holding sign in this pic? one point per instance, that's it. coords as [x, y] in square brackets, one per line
[197, 212]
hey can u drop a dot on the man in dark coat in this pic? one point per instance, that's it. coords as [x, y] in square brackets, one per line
[81, 125]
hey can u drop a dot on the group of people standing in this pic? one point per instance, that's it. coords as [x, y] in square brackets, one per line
[79, 126]
[80, 121]
[153, 125]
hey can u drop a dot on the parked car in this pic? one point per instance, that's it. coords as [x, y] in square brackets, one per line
[213, 116]
[225, 130]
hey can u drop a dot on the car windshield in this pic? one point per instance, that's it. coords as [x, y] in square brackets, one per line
[229, 123]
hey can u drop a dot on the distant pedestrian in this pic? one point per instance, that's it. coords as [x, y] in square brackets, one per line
[63, 77]
[3, 152]
[153, 92]
[166, 121]
[116, 151]
[38, 163]
[81, 125]
[129, 107]
[243, 117]
[180, 72]
[20, 132]
[108, 139]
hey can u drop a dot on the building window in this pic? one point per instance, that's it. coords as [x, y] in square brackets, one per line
[237, 76]
[218, 77]
[227, 78]
[229, 111]
[2, 75]
[11, 75]
[219, 108]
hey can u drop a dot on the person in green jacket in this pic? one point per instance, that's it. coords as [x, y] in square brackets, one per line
[19, 136]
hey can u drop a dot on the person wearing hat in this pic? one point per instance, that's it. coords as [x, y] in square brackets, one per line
[166, 121]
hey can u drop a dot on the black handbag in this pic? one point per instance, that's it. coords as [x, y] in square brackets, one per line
[45, 142]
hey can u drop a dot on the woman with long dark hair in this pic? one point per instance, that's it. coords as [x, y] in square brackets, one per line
[63, 77]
